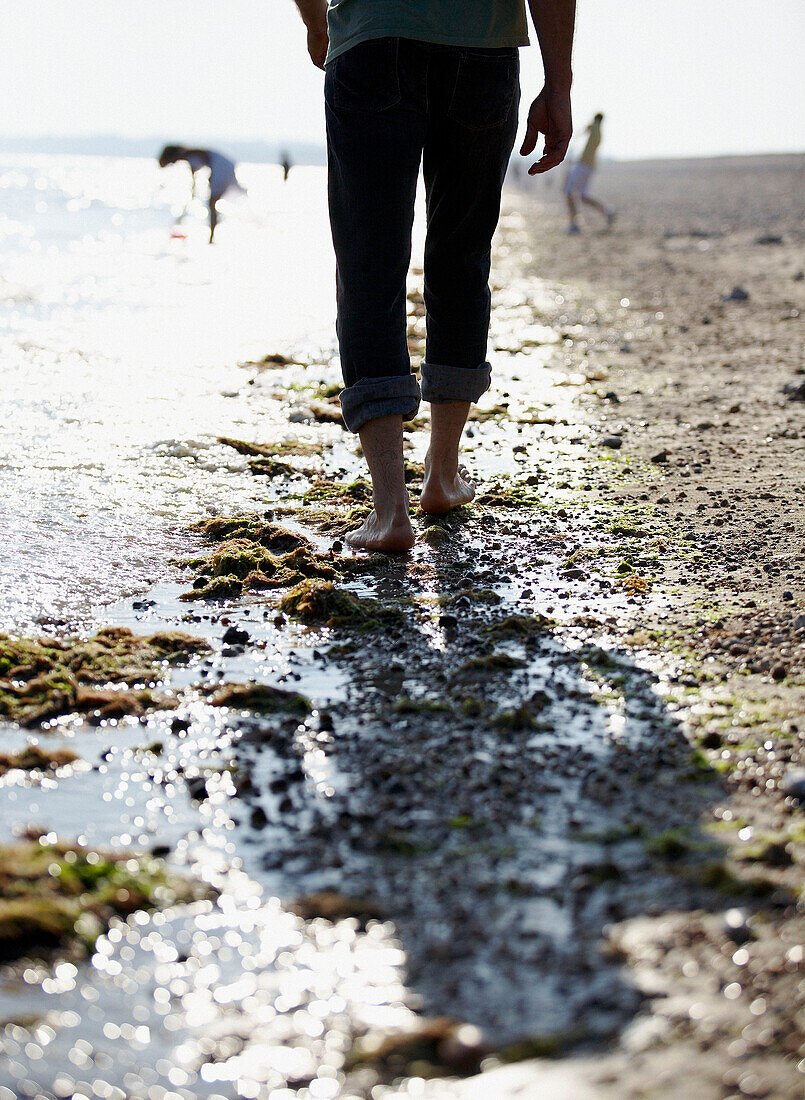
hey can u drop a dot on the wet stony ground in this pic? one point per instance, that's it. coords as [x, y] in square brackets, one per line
[537, 802]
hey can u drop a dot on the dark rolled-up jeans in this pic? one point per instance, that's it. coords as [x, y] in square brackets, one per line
[391, 103]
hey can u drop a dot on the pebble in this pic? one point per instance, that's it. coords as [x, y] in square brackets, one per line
[737, 294]
[793, 783]
[795, 391]
[233, 636]
[612, 441]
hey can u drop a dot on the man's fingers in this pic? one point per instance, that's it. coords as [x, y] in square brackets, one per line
[554, 154]
[530, 139]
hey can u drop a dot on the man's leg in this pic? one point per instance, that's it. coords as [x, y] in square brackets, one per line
[388, 526]
[447, 485]
[473, 121]
[374, 136]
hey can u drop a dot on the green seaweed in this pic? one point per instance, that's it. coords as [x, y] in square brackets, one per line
[251, 527]
[262, 698]
[515, 718]
[218, 588]
[434, 1048]
[549, 1044]
[475, 595]
[238, 558]
[36, 758]
[519, 626]
[322, 603]
[272, 467]
[271, 450]
[493, 662]
[43, 678]
[406, 705]
[59, 897]
[504, 494]
[325, 491]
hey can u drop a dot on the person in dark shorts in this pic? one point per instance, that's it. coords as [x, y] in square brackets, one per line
[222, 174]
[410, 82]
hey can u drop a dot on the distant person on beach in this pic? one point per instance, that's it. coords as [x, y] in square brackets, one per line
[286, 164]
[579, 176]
[409, 81]
[222, 174]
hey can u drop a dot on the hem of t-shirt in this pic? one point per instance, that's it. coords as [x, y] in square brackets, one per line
[497, 43]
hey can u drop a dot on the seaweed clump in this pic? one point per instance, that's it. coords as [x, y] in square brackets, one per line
[262, 698]
[240, 564]
[34, 758]
[252, 528]
[519, 626]
[325, 491]
[432, 1048]
[43, 678]
[322, 603]
[59, 897]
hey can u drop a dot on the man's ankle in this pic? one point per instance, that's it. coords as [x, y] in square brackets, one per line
[393, 511]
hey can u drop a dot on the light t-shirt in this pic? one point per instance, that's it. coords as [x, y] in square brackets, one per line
[489, 23]
[591, 148]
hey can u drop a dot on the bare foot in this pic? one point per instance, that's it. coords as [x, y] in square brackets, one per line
[441, 494]
[395, 536]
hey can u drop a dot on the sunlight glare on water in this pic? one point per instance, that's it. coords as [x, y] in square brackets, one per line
[118, 347]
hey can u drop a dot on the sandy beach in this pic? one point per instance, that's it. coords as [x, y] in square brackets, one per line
[518, 815]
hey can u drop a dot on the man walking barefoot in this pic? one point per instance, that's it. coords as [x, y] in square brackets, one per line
[410, 81]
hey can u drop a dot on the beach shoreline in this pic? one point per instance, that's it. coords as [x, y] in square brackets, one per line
[572, 658]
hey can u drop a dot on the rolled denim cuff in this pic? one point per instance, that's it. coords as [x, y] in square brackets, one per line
[441, 383]
[398, 394]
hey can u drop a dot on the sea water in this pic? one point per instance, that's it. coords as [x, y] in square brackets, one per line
[121, 331]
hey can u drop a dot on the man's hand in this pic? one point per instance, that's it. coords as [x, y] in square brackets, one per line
[550, 115]
[314, 14]
[317, 42]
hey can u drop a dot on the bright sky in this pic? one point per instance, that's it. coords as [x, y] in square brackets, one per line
[674, 77]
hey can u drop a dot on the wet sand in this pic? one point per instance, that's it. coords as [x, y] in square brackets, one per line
[539, 789]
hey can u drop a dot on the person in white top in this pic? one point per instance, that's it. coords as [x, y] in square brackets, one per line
[222, 174]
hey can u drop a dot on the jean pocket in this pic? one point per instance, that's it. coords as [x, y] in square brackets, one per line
[365, 78]
[485, 87]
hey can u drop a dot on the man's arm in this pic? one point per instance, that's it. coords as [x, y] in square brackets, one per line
[314, 16]
[549, 114]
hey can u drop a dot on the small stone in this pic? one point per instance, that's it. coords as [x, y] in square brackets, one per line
[233, 636]
[660, 457]
[614, 442]
[795, 391]
[737, 294]
[779, 672]
[197, 788]
[793, 783]
[777, 854]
